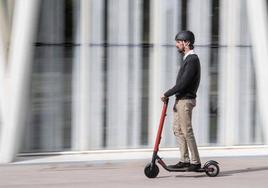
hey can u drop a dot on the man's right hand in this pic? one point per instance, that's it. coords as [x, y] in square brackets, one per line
[164, 98]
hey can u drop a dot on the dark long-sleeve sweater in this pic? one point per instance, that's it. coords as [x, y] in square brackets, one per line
[188, 79]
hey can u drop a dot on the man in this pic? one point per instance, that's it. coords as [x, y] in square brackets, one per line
[185, 90]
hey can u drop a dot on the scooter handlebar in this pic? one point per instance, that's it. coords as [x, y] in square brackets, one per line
[166, 100]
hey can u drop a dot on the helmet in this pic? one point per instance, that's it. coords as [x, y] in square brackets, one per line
[185, 35]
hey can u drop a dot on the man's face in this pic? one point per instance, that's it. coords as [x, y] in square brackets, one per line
[180, 45]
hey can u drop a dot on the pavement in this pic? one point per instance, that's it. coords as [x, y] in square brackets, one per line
[237, 171]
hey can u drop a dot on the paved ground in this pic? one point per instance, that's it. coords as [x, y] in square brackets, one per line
[251, 172]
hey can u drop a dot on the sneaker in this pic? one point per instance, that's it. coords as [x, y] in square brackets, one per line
[179, 165]
[194, 167]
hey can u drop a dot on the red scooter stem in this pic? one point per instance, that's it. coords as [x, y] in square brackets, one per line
[160, 127]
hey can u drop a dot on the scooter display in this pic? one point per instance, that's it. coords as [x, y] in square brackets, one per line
[151, 170]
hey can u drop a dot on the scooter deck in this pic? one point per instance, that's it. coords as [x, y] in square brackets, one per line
[183, 170]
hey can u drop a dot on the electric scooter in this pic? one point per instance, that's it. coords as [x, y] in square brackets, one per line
[151, 170]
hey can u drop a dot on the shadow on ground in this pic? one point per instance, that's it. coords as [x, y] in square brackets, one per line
[239, 171]
[221, 174]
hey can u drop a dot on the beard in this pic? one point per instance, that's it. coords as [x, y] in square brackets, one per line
[181, 50]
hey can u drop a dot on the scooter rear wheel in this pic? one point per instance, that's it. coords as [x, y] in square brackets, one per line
[212, 169]
[151, 170]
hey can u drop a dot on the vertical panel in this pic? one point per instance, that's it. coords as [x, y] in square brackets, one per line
[3, 58]
[163, 66]
[199, 13]
[82, 136]
[51, 78]
[257, 15]
[146, 10]
[134, 73]
[229, 72]
[117, 73]
[156, 76]
[171, 58]
[246, 90]
[96, 75]
[236, 91]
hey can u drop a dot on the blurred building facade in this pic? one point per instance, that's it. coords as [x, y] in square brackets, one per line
[100, 67]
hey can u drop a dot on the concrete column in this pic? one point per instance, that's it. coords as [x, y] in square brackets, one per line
[199, 22]
[2, 72]
[81, 127]
[257, 15]
[171, 60]
[3, 57]
[236, 90]
[229, 72]
[95, 75]
[23, 32]
[6, 12]
[163, 64]
[156, 76]
[118, 68]
[246, 89]
[134, 73]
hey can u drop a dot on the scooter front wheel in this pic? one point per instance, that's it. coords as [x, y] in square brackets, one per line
[151, 170]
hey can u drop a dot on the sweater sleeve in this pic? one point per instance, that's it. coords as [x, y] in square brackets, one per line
[185, 80]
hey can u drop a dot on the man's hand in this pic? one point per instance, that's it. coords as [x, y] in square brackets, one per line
[164, 98]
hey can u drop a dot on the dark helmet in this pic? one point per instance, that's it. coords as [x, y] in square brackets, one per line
[185, 35]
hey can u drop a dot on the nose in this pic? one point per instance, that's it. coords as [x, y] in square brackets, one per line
[177, 44]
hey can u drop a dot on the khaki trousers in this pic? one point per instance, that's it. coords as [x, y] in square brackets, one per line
[182, 127]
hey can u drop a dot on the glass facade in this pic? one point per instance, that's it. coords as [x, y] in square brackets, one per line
[123, 52]
[51, 91]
